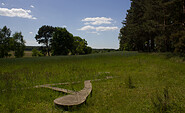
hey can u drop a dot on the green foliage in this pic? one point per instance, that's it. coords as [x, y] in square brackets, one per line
[149, 25]
[59, 41]
[160, 43]
[80, 46]
[44, 37]
[178, 40]
[88, 50]
[7, 43]
[4, 42]
[35, 52]
[19, 45]
[62, 42]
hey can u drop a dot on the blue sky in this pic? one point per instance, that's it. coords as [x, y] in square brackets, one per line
[97, 21]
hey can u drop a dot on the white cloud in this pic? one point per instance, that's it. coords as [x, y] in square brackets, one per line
[94, 32]
[3, 4]
[31, 32]
[32, 6]
[97, 20]
[64, 26]
[91, 22]
[16, 12]
[101, 28]
[87, 28]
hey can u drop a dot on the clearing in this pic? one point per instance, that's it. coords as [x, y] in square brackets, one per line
[147, 74]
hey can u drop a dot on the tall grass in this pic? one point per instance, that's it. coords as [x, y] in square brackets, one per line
[164, 103]
[149, 72]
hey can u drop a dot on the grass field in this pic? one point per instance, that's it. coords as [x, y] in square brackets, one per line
[26, 54]
[143, 82]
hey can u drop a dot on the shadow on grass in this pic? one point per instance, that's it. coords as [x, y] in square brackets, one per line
[72, 108]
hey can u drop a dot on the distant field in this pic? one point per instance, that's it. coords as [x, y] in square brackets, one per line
[26, 54]
[151, 75]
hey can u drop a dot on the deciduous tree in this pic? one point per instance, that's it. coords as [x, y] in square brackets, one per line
[19, 44]
[62, 42]
[44, 36]
[4, 42]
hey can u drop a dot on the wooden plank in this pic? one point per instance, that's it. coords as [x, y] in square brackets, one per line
[76, 98]
[60, 90]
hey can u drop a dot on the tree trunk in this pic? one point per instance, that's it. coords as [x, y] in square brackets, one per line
[47, 46]
[183, 18]
[164, 21]
[48, 52]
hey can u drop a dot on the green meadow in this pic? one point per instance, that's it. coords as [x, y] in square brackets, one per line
[142, 82]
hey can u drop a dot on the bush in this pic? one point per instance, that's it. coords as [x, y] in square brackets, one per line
[35, 52]
[88, 50]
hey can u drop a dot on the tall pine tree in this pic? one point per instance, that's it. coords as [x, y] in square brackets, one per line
[151, 24]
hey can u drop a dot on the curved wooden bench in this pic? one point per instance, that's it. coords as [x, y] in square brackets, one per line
[75, 98]
[60, 90]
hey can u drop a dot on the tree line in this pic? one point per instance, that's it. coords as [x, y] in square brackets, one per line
[58, 41]
[154, 25]
[54, 40]
[15, 43]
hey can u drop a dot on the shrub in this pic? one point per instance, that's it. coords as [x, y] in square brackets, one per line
[35, 52]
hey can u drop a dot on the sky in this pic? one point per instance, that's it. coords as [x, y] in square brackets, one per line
[96, 21]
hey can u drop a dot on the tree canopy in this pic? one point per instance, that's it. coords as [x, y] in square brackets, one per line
[59, 41]
[19, 44]
[4, 42]
[8, 43]
[80, 46]
[62, 42]
[44, 36]
[151, 25]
